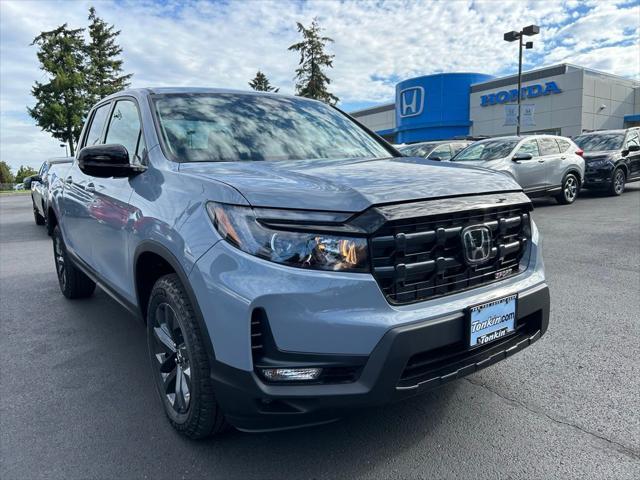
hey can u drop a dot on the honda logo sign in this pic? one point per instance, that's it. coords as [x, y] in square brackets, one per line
[476, 244]
[411, 101]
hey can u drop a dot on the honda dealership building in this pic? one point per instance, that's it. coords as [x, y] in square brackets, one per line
[562, 99]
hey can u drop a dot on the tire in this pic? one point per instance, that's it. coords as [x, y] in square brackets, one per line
[618, 180]
[40, 220]
[179, 362]
[73, 282]
[570, 190]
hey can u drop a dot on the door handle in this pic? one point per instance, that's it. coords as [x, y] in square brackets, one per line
[90, 188]
[69, 180]
[540, 161]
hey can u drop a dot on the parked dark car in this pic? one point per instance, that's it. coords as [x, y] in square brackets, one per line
[444, 150]
[612, 158]
[40, 186]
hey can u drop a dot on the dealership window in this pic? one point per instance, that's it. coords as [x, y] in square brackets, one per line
[531, 147]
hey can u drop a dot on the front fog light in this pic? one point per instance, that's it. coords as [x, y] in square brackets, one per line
[291, 374]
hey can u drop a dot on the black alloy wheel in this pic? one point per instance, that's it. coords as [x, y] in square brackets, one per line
[617, 182]
[172, 359]
[181, 366]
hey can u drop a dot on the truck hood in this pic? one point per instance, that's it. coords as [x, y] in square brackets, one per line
[349, 185]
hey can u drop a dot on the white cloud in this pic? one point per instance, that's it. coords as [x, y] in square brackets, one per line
[223, 44]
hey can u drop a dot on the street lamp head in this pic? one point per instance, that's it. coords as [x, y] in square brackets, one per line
[531, 30]
[511, 36]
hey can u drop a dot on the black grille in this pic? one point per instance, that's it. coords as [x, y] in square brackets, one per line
[420, 258]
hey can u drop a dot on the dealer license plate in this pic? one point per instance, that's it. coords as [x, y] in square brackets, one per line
[492, 321]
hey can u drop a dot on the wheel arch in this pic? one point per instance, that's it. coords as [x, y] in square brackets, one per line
[622, 166]
[159, 261]
[576, 172]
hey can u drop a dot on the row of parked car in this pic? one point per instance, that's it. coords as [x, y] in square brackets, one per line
[548, 165]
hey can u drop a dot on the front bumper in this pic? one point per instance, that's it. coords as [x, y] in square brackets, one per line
[600, 176]
[408, 360]
[330, 317]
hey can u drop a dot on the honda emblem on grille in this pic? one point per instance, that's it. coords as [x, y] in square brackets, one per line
[476, 244]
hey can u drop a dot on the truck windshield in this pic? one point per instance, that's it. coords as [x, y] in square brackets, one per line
[600, 142]
[487, 150]
[226, 127]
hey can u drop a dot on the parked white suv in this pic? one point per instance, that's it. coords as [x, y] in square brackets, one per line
[544, 165]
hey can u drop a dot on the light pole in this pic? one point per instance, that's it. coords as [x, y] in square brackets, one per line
[66, 152]
[512, 37]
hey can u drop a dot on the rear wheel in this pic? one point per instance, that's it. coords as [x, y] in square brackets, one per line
[618, 180]
[40, 220]
[73, 282]
[180, 362]
[570, 189]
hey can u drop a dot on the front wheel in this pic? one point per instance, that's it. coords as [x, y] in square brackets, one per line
[179, 361]
[570, 189]
[618, 180]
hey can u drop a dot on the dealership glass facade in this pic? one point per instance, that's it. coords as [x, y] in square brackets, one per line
[562, 99]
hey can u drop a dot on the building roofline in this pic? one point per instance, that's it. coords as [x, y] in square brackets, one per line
[538, 73]
[376, 109]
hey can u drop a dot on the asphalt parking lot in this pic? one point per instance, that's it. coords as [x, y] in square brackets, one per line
[77, 399]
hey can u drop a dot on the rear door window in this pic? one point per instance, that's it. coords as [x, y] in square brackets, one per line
[548, 146]
[563, 145]
[94, 135]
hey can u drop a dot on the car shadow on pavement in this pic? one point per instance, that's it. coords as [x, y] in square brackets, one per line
[359, 443]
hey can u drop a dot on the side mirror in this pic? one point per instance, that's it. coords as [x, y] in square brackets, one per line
[29, 180]
[633, 148]
[522, 156]
[107, 161]
[435, 157]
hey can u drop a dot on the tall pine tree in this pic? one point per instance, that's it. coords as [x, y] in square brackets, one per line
[261, 83]
[61, 101]
[311, 81]
[104, 69]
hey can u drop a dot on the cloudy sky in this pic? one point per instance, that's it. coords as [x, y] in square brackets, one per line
[223, 43]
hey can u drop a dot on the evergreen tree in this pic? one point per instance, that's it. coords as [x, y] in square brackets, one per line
[104, 69]
[60, 101]
[5, 173]
[24, 172]
[311, 81]
[261, 83]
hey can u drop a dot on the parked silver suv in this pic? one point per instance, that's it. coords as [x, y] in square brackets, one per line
[544, 165]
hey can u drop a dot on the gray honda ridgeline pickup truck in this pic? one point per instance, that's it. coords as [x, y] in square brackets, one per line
[289, 264]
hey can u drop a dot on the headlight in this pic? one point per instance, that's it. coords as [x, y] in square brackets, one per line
[240, 227]
[598, 163]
